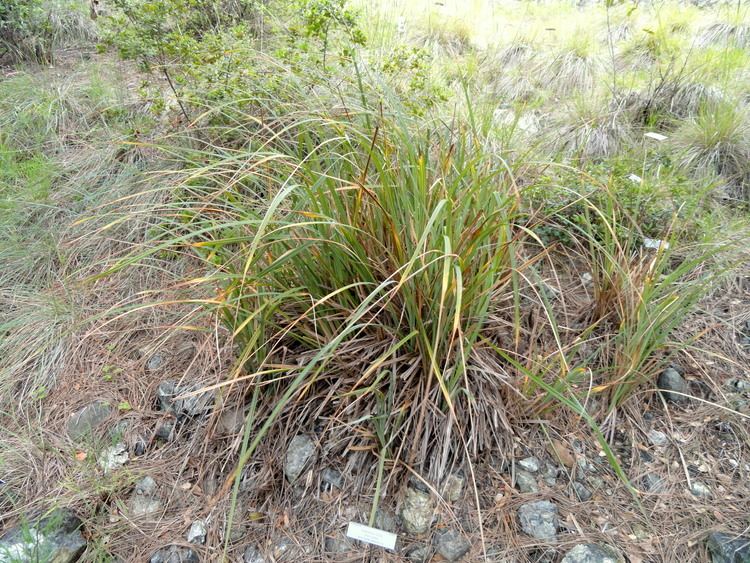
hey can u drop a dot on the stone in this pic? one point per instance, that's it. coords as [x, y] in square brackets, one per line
[144, 501]
[156, 361]
[452, 545]
[286, 550]
[591, 553]
[197, 532]
[673, 386]
[530, 464]
[332, 478]
[85, 421]
[550, 475]
[165, 430]
[420, 554]
[338, 543]
[657, 438]
[728, 548]
[539, 519]
[385, 519]
[55, 538]
[581, 491]
[738, 385]
[188, 407]
[526, 482]
[453, 488]
[652, 483]
[253, 555]
[417, 510]
[175, 554]
[231, 421]
[113, 457]
[700, 489]
[299, 454]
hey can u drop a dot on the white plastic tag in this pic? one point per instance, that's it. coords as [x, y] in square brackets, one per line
[371, 535]
[655, 136]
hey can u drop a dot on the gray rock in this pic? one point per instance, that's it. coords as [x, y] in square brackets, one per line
[113, 457]
[652, 483]
[165, 430]
[452, 545]
[253, 555]
[385, 519]
[85, 421]
[657, 438]
[156, 361]
[231, 421]
[539, 519]
[591, 553]
[146, 486]
[419, 554]
[530, 464]
[197, 532]
[175, 554]
[188, 407]
[526, 482]
[738, 385]
[285, 549]
[338, 543]
[417, 511]
[550, 475]
[332, 478]
[299, 454]
[453, 488]
[671, 384]
[581, 491]
[55, 538]
[728, 548]
[700, 489]
[144, 501]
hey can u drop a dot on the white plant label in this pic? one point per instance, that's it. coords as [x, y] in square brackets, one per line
[655, 136]
[371, 535]
[635, 178]
[655, 244]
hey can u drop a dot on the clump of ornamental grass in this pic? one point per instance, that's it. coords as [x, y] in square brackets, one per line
[671, 99]
[716, 141]
[591, 130]
[734, 34]
[574, 70]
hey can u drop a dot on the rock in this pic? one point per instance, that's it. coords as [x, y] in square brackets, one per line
[420, 554]
[530, 464]
[231, 421]
[652, 483]
[385, 519]
[526, 482]
[738, 386]
[671, 384]
[453, 488]
[550, 475]
[85, 421]
[175, 554]
[113, 457]
[299, 455]
[286, 550]
[253, 555]
[55, 538]
[452, 545]
[700, 490]
[197, 532]
[728, 548]
[144, 501]
[591, 553]
[582, 491]
[165, 430]
[156, 361]
[338, 543]
[188, 407]
[332, 478]
[657, 438]
[539, 519]
[417, 509]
